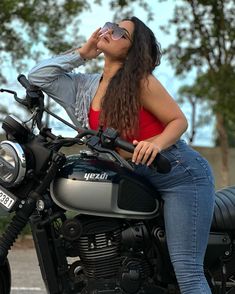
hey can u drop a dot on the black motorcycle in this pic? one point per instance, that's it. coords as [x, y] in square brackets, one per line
[97, 226]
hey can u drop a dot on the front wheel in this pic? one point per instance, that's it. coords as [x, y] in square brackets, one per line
[5, 278]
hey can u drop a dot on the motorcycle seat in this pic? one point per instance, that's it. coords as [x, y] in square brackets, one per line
[224, 213]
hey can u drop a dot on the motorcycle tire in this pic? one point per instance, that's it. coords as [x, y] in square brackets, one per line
[5, 278]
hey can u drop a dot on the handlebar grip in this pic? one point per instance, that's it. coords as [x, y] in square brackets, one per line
[124, 145]
[23, 81]
[161, 163]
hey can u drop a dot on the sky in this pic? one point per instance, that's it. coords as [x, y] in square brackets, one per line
[91, 20]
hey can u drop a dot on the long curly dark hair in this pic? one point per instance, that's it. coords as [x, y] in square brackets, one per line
[121, 102]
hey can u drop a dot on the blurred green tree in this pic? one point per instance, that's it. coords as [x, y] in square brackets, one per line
[205, 42]
[199, 116]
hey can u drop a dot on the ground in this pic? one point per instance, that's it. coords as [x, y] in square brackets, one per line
[24, 242]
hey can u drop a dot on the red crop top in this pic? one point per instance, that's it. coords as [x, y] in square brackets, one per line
[149, 125]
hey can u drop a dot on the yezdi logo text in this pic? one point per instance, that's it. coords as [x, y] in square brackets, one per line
[94, 176]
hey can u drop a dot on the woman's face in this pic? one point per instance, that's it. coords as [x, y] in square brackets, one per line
[117, 49]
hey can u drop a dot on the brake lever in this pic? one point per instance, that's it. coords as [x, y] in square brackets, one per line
[19, 100]
[94, 144]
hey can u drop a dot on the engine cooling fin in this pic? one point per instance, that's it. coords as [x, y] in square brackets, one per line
[99, 248]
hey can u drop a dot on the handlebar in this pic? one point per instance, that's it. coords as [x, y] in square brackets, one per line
[111, 140]
[24, 82]
[34, 96]
[160, 163]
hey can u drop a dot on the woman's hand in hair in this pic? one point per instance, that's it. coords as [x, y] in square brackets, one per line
[145, 152]
[89, 50]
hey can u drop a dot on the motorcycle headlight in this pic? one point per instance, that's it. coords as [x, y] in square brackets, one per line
[12, 164]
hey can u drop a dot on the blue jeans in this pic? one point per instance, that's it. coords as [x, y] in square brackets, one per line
[188, 194]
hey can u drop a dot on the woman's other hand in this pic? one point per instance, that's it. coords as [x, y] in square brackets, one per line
[145, 152]
[89, 50]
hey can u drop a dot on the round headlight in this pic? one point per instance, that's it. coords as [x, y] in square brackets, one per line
[12, 164]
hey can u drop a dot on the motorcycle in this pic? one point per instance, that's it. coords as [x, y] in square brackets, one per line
[97, 226]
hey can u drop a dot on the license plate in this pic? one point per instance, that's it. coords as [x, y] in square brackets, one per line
[7, 200]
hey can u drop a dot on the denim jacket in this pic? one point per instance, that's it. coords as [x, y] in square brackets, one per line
[73, 91]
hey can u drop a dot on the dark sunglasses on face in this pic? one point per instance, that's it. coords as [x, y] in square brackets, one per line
[117, 32]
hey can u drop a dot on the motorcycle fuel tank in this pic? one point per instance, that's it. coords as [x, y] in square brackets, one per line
[92, 185]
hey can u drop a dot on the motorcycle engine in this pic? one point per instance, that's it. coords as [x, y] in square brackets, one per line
[99, 247]
[111, 254]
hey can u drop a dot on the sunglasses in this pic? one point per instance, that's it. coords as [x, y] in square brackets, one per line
[117, 32]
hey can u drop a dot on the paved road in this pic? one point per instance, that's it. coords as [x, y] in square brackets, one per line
[26, 278]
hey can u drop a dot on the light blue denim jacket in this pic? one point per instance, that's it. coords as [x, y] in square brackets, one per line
[73, 91]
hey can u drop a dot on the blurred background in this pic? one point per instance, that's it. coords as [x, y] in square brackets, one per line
[198, 65]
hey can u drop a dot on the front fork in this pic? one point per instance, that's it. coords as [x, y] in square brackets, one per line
[51, 254]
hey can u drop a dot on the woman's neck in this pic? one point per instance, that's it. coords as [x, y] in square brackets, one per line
[110, 69]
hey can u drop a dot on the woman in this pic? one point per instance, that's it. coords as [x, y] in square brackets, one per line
[127, 97]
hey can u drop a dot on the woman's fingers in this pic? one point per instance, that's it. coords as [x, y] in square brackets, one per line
[139, 152]
[152, 157]
[135, 153]
[89, 49]
[145, 152]
[96, 33]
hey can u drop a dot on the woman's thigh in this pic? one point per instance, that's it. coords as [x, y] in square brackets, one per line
[188, 194]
